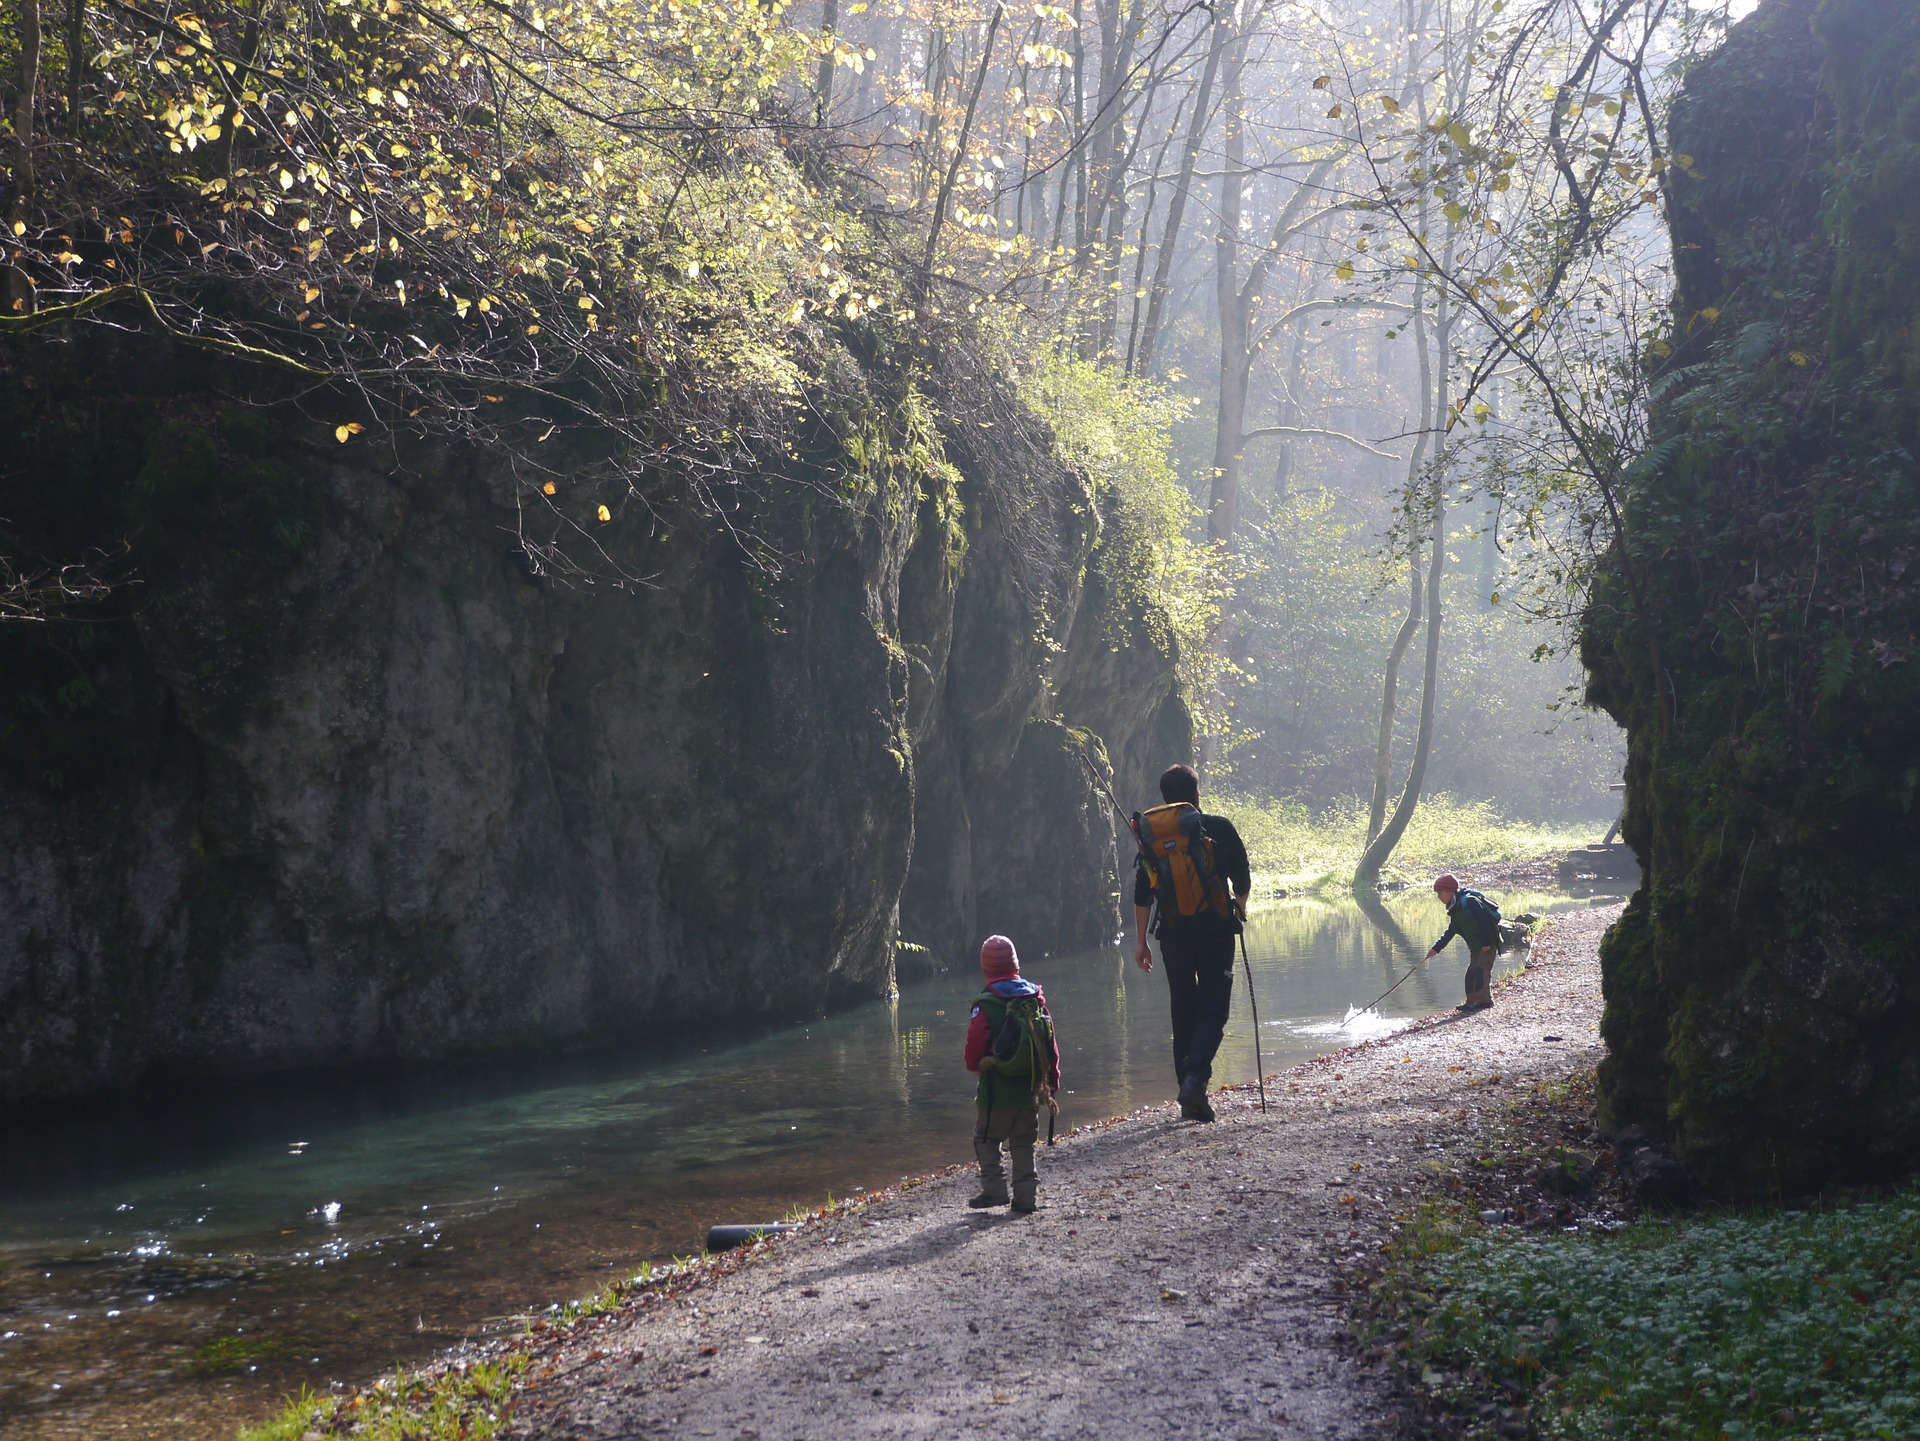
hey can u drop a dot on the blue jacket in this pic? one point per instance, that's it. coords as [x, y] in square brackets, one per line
[1473, 918]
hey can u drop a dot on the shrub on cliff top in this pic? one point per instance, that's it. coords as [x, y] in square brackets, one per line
[580, 236]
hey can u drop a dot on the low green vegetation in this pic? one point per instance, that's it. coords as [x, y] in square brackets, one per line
[469, 1403]
[225, 1354]
[1295, 847]
[1762, 1324]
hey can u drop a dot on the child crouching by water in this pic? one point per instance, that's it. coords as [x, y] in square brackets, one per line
[1011, 1047]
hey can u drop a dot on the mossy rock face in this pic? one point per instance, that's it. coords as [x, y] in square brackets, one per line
[1763, 990]
[338, 776]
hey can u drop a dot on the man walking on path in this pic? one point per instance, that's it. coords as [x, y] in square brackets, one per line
[1196, 938]
[1476, 920]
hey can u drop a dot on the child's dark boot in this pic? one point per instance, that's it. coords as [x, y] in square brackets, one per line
[993, 1175]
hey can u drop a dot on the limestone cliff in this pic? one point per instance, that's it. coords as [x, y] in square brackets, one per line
[1763, 989]
[343, 778]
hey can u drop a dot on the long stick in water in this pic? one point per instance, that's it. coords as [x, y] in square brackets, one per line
[1259, 1066]
[1395, 986]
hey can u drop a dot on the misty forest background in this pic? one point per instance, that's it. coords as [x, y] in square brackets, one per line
[1346, 309]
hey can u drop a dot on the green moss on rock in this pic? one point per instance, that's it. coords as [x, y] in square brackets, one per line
[1763, 992]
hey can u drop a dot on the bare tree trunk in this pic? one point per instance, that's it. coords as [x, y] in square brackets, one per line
[76, 61]
[939, 43]
[1383, 753]
[1381, 846]
[823, 91]
[1026, 145]
[1108, 142]
[1116, 221]
[1389, 691]
[19, 294]
[1223, 510]
[1079, 156]
[960, 149]
[1183, 186]
[1142, 244]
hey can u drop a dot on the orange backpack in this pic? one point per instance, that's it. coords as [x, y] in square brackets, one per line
[1178, 855]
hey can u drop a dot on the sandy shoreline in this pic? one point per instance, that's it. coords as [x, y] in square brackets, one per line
[1178, 1280]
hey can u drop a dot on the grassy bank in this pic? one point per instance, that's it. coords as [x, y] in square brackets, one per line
[1299, 849]
[1561, 1320]
[1763, 1324]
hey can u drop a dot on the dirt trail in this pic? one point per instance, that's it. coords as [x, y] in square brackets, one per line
[1177, 1280]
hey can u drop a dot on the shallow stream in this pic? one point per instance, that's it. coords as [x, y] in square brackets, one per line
[171, 1267]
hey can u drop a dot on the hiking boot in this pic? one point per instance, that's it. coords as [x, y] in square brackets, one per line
[1193, 1099]
[1026, 1180]
[1025, 1208]
[993, 1174]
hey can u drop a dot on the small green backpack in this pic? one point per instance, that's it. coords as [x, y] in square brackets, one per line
[1022, 1043]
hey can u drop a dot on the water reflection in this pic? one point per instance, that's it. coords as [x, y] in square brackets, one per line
[195, 1255]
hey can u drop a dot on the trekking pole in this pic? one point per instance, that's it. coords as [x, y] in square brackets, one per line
[1259, 1066]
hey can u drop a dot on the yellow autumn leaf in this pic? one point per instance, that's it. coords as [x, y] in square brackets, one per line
[1798, 357]
[1344, 270]
[1390, 105]
[605, 514]
[1321, 82]
[549, 488]
[344, 433]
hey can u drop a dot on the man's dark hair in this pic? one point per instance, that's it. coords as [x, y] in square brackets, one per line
[1180, 783]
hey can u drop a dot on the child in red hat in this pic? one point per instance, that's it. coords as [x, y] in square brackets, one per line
[1012, 1049]
[1476, 920]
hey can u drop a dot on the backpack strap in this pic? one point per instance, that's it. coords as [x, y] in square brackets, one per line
[1200, 850]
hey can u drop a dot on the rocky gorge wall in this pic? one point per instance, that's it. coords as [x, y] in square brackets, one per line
[1763, 988]
[345, 779]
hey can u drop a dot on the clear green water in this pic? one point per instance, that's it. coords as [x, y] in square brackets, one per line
[170, 1267]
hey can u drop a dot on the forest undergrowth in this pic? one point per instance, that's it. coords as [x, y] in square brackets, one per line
[1527, 1294]
[1296, 848]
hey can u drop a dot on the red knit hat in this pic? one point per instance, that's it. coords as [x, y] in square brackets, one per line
[1445, 885]
[998, 959]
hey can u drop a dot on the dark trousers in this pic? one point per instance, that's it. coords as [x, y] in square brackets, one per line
[1200, 978]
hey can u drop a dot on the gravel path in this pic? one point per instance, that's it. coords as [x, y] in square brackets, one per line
[1178, 1280]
